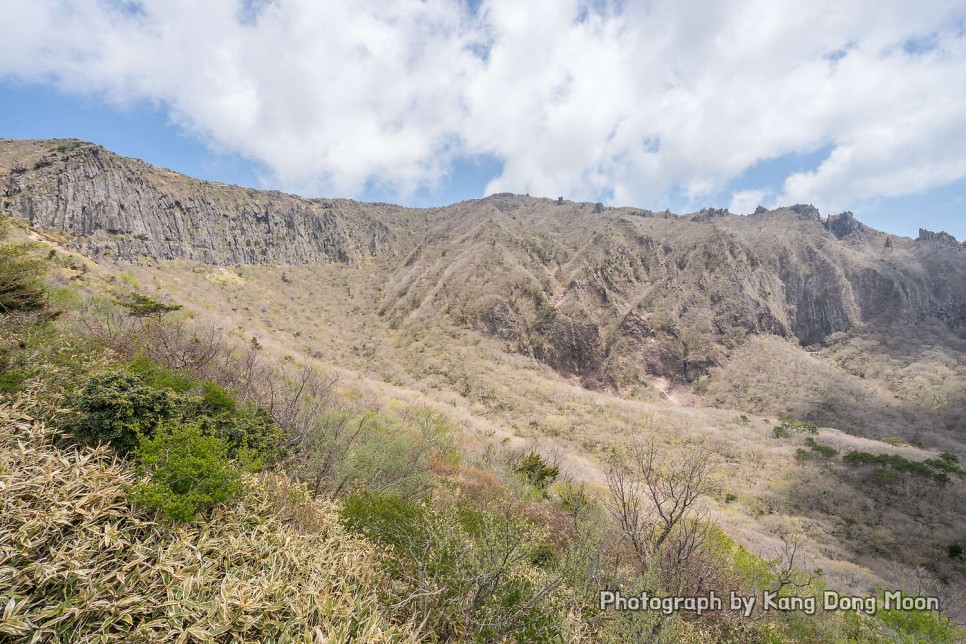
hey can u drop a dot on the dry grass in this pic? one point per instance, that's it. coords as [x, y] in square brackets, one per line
[78, 564]
[328, 316]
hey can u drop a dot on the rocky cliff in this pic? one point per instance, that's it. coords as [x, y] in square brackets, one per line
[615, 296]
[124, 208]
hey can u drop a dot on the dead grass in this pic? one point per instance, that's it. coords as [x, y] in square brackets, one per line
[77, 564]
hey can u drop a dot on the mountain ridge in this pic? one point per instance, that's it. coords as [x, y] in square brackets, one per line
[610, 296]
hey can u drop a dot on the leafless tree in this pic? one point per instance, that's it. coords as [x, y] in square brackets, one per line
[650, 497]
[107, 322]
[786, 566]
[180, 344]
[295, 401]
[923, 582]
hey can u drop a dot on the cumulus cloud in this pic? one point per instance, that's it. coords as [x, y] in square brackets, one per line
[594, 99]
[745, 202]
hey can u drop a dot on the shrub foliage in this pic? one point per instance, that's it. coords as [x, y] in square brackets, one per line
[184, 472]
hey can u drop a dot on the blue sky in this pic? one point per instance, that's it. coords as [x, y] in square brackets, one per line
[427, 103]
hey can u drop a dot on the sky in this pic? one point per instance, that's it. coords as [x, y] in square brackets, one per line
[684, 104]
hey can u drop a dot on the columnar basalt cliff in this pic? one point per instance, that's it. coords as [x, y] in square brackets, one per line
[606, 295]
[127, 208]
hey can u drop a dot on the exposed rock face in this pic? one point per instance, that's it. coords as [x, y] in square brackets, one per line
[941, 237]
[605, 295]
[806, 211]
[126, 209]
[708, 214]
[843, 224]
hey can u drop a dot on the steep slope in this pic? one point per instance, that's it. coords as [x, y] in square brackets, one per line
[619, 295]
[126, 208]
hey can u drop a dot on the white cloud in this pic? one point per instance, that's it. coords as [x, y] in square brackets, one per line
[620, 101]
[744, 202]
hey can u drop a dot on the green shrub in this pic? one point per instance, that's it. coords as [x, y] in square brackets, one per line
[158, 377]
[253, 439]
[184, 472]
[64, 298]
[128, 278]
[574, 499]
[944, 464]
[824, 450]
[536, 471]
[119, 409]
[918, 625]
[380, 453]
[485, 573]
[802, 455]
[216, 399]
[388, 519]
[956, 551]
[142, 306]
[11, 380]
[937, 469]
[780, 432]
[949, 457]
[885, 477]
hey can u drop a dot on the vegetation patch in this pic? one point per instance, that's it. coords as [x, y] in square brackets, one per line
[81, 564]
[787, 425]
[937, 469]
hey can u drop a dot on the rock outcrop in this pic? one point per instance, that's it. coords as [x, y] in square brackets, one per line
[123, 208]
[942, 237]
[843, 224]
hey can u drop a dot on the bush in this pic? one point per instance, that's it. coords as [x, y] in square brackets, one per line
[480, 573]
[379, 453]
[216, 399]
[918, 625]
[119, 409]
[144, 307]
[937, 469]
[385, 518]
[252, 438]
[536, 471]
[158, 377]
[884, 477]
[824, 450]
[185, 472]
[11, 380]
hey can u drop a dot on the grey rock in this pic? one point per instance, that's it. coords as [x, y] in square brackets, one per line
[124, 208]
[843, 224]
